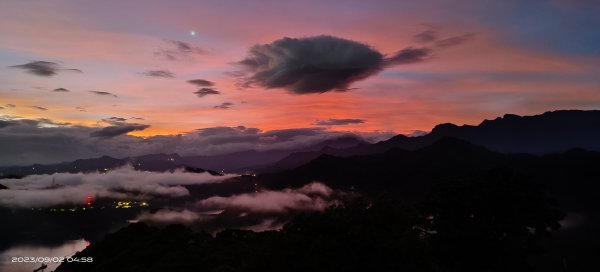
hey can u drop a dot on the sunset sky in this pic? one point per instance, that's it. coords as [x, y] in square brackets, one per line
[435, 61]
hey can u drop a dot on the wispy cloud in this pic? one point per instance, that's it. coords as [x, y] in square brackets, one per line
[456, 40]
[38, 108]
[311, 197]
[201, 82]
[206, 91]
[103, 93]
[119, 129]
[426, 36]
[338, 122]
[43, 68]
[159, 73]
[224, 105]
[60, 90]
[178, 50]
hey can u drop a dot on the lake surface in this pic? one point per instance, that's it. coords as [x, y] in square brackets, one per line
[68, 248]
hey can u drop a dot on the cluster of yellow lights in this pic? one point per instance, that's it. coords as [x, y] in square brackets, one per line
[116, 205]
[123, 205]
[130, 204]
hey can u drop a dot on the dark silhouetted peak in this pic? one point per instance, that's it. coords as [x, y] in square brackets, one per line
[509, 116]
[399, 137]
[2, 187]
[444, 128]
[342, 142]
[104, 158]
[550, 132]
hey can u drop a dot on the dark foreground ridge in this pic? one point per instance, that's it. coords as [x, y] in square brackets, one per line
[449, 206]
[462, 227]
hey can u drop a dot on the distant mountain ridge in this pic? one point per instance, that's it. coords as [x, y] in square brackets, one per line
[153, 162]
[251, 159]
[233, 162]
[550, 132]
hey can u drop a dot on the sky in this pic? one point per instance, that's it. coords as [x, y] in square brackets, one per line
[150, 68]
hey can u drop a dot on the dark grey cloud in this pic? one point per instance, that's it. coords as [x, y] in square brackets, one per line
[116, 126]
[206, 91]
[16, 121]
[38, 108]
[201, 82]
[291, 133]
[116, 130]
[456, 40]
[103, 93]
[186, 47]
[159, 73]
[318, 64]
[29, 141]
[43, 68]
[426, 36]
[178, 50]
[6, 123]
[224, 105]
[338, 122]
[60, 90]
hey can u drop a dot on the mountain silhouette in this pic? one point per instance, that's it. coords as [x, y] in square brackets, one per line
[152, 162]
[550, 132]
